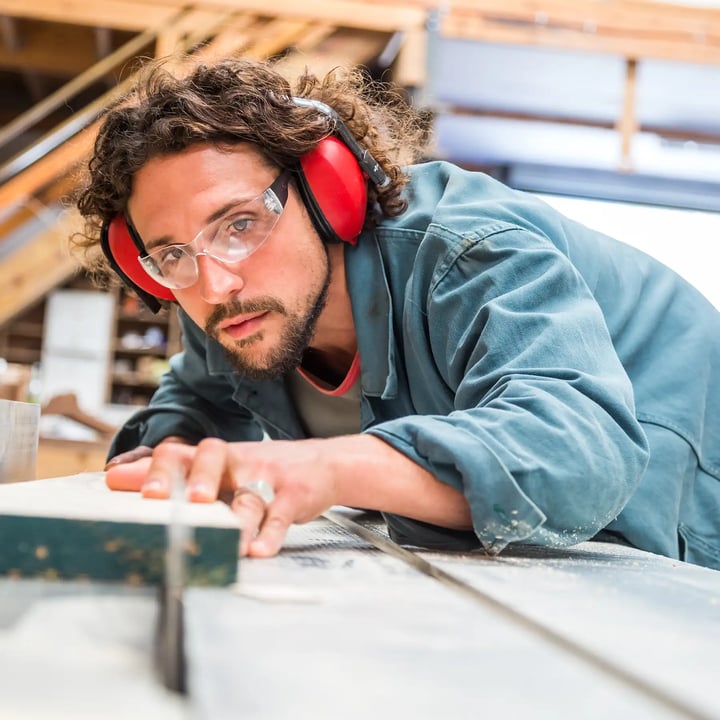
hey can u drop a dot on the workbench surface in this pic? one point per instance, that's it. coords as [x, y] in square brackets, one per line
[335, 627]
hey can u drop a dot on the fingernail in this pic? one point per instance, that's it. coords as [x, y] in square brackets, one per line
[258, 546]
[152, 487]
[199, 492]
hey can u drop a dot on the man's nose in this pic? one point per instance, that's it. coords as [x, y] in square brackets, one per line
[217, 281]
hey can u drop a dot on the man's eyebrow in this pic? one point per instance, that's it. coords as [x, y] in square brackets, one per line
[215, 215]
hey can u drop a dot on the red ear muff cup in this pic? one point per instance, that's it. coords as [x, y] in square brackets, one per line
[126, 255]
[338, 185]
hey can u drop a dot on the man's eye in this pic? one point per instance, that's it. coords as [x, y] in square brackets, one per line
[240, 225]
[170, 255]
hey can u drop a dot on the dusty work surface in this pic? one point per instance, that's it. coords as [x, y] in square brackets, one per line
[336, 628]
[80, 651]
[655, 620]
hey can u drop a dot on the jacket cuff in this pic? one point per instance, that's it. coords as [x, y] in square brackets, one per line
[150, 426]
[501, 512]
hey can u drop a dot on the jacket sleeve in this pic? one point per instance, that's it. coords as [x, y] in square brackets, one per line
[190, 402]
[540, 432]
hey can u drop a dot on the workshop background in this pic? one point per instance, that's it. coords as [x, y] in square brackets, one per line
[610, 109]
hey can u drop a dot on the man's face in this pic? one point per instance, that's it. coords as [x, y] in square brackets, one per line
[263, 310]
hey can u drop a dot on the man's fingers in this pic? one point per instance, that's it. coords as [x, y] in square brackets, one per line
[206, 471]
[250, 510]
[263, 527]
[273, 530]
[129, 456]
[169, 464]
[127, 475]
[270, 538]
[124, 472]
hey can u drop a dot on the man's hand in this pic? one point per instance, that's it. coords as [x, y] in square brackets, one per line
[299, 475]
[135, 454]
[129, 457]
[307, 478]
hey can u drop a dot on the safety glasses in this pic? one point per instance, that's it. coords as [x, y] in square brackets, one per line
[230, 239]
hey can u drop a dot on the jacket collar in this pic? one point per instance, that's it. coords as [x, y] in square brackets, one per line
[372, 313]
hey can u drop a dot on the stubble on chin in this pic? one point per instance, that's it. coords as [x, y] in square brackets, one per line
[295, 336]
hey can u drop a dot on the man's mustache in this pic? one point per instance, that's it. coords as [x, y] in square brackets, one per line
[241, 307]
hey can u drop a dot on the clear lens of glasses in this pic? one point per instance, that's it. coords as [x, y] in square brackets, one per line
[231, 239]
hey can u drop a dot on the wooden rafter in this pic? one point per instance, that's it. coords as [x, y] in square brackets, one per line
[317, 34]
[43, 264]
[133, 15]
[218, 33]
[139, 14]
[624, 27]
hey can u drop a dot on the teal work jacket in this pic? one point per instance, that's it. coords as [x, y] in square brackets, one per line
[566, 383]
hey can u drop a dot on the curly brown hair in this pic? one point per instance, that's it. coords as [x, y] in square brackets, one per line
[234, 101]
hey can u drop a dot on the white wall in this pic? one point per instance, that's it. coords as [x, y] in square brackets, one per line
[686, 240]
[76, 346]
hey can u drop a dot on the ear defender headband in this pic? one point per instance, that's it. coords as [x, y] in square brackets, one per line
[332, 182]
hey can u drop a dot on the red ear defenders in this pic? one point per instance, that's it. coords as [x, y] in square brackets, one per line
[332, 182]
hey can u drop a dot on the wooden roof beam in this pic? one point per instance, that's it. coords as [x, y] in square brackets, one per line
[344, 47]
[43, 264]
[629, 46]
[43, 48]
[394, 14]
[189, 30]
[638, 16]
[132, 15]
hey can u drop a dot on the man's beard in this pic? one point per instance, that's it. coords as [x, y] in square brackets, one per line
[288, 354]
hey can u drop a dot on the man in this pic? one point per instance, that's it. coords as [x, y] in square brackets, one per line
[418, 340]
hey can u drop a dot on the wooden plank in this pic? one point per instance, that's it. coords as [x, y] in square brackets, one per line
[10, 37]
[67, 92]
[346, 13]
[340, 48]
[639, 17]
[411, 65]
[39, 266]
[75, 527]
[627, 125]
[57, 457]
[118, 14]
[231, 40]
[60, 161]
[276, 36]
[44, 48]
[11, 221]
[189, 30]
[72, 152]
[314, 36]
[479, 28]
[615, 16]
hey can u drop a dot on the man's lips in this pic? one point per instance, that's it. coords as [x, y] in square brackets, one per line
[241, 327]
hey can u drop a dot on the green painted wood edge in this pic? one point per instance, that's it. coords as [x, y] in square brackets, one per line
[134, 553]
